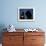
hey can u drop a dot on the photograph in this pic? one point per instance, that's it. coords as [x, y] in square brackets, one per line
[26, 14]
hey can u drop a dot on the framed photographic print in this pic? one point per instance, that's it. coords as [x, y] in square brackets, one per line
[26, 14]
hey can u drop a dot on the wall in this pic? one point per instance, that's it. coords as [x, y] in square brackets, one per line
[8, 13]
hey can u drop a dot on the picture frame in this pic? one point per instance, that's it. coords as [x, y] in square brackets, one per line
[26, 14]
